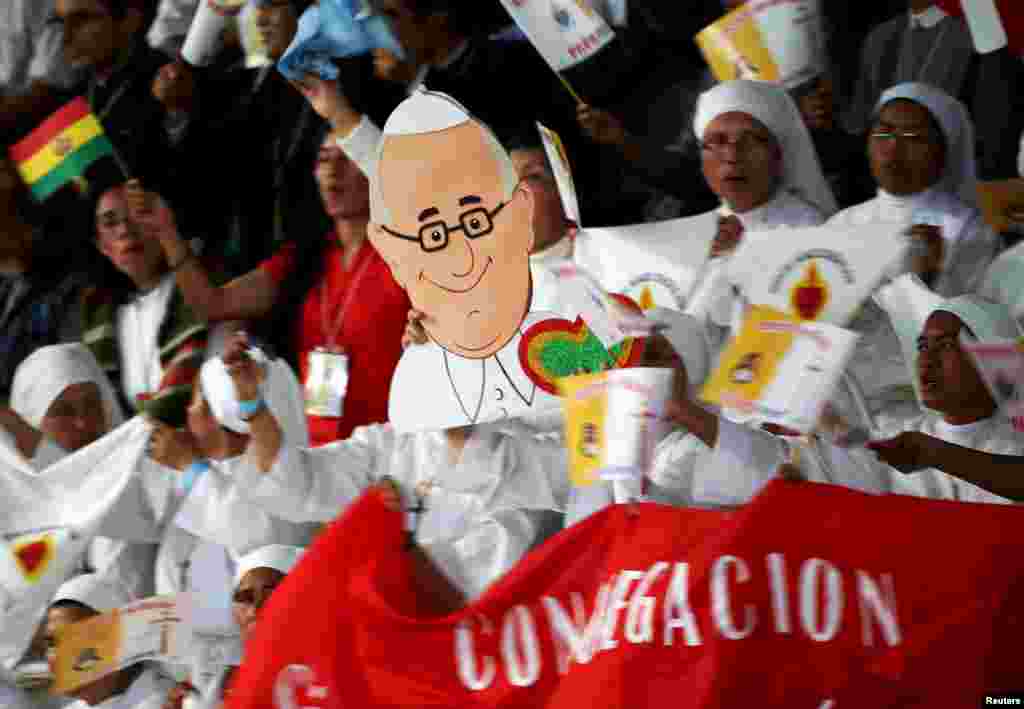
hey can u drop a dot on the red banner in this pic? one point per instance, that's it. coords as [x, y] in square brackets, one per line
[1010, 11]
[811, 596]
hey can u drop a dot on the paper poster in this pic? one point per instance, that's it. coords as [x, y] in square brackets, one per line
[51, 516]
[249, 35]
[992, 24]
[205, 36]
[780, 369]
[656, 264]
[908, 303]
[634, 420]
[456, 233]
[1002, 203]
[559, 161]
[565, 32]
[1001, 364]
[769, 40]
[157, 628]
[611, 319]
[584, 398]
[817, 273]
[613, 422]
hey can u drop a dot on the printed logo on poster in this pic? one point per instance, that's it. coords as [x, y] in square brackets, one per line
[565, 32]
[653, 290]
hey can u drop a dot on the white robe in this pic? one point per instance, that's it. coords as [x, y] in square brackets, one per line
[1004, 280]
[482, 513]
[148, 691]
[688, 473]
[878, 363]
[970, 244]
[138, 328]
[994, 435]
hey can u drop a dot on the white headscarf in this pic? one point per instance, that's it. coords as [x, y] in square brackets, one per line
[281, 393]
[773, 107]
[986, 320]
[101, 594]
[279, 557]
[960, 176]
[46, 373]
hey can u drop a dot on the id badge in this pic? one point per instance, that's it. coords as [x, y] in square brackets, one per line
[326, 383]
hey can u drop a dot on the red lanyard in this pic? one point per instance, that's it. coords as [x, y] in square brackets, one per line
[331, 334]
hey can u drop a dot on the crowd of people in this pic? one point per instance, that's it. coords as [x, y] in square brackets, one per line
[205, 277]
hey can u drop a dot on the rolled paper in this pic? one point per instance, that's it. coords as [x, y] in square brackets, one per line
[206, 34]
[986, 25]
[634, 420]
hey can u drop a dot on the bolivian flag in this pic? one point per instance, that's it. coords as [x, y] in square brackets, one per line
[61, 149]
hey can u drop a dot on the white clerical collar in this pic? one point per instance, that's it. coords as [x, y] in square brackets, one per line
[895, 205]
[929, 18]
[959, 433]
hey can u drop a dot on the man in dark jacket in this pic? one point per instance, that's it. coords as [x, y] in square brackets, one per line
[262, 138]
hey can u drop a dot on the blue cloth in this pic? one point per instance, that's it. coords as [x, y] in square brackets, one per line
[334, 28]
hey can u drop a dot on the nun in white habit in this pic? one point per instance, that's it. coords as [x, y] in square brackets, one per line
[736, 461]
[926, 180]
[801, 195]
[758, 157]
[958, 406]
[926, 183]
[213, 512]
[138, 686]
[485, 496]
[259, 572]
[61, 392]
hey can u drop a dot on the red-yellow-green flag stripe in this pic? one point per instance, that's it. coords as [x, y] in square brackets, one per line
[61, 149]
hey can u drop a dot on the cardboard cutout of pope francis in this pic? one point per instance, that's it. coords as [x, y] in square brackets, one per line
[450, 218]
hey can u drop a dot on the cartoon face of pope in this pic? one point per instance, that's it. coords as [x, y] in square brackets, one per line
[450, 218]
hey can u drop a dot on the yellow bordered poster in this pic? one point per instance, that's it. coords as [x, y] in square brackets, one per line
[768, 40]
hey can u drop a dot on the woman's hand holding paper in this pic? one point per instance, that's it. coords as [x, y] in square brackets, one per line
[329, 101]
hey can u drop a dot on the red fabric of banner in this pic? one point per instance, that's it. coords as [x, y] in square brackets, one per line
[1010, 11]
[811, 596]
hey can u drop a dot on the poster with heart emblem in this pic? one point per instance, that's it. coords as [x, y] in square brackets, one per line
[780, 369]
[819, 273]
[656, 264]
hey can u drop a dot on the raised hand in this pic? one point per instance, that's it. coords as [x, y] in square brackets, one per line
[245, 372]
[600, 126]
[415, 333]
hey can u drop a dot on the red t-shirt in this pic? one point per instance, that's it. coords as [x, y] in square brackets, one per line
[370, 332]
